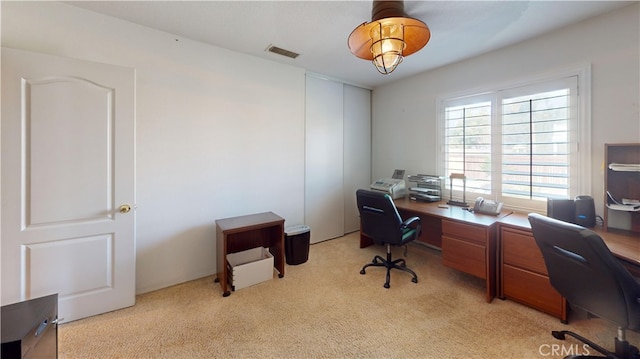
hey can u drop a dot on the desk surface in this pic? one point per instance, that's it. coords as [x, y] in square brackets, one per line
[623, 244]
[452, 212]
[242, 223]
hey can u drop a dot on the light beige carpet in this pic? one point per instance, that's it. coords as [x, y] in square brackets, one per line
[325, 308]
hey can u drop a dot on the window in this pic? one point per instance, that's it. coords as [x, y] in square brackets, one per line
[468, 147]
[517, 145]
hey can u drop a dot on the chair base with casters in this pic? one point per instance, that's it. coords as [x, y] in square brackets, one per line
[380, 221]
[623, 350]
[390, 264]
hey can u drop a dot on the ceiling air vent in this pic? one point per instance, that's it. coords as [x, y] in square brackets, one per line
[283, 52]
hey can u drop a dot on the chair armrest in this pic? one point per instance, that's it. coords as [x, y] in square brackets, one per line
[413, 222]
[410, 221]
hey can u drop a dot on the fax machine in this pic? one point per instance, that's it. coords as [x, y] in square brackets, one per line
[396, 188]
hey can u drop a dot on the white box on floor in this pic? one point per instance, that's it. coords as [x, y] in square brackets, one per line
[250, 267]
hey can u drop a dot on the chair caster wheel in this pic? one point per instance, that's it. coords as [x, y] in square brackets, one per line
[386, 285]
[414, 280]
[362, 271]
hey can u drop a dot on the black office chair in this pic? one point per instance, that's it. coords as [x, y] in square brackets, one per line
[380, 221]
[583, 270]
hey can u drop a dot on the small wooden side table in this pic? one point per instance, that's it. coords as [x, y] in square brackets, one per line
[237, 234]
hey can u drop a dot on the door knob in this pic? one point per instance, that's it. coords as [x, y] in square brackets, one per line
[125, 208]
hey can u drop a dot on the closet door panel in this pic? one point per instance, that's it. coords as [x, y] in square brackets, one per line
[357, 151]
[324, 194]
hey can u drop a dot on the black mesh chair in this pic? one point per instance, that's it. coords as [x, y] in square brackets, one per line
[380, 221]
[583, 270]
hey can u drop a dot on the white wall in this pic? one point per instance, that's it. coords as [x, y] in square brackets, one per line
[404, 112]
[219, 134]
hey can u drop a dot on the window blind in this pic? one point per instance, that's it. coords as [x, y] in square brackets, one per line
[468, 145]
[535, 145]
[517, 145]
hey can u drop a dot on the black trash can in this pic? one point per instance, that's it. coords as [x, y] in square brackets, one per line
[296, 244]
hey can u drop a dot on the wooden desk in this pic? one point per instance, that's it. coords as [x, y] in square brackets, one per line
[624, 245]
[501, 250]
[523, 274]
[468, 240]
[245, 232]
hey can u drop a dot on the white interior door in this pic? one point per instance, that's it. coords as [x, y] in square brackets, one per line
[67, 168]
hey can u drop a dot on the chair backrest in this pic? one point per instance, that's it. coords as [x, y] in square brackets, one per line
[379, 218]
[584, 271]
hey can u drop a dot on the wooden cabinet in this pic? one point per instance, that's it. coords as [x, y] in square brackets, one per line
[523, 273]
[622, 181]
[470, 248]
[30, 328]
[237, 234]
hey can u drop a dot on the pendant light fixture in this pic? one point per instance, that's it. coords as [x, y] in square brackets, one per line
[389, 37]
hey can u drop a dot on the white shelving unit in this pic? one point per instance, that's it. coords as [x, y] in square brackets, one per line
[622, 184]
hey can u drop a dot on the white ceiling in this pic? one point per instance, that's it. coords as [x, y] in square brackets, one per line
[318, 30]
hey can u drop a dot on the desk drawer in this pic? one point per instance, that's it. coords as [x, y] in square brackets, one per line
[466, 231]
[532, 289]
[464, 256]
[519, 249]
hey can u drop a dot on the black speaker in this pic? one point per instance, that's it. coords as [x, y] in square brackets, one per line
[562, 209]
[585, 211]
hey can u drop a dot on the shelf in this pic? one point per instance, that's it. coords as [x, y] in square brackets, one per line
[624, 167]
[622, 184]
[623, 207]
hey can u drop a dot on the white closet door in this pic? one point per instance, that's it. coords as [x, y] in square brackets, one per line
[357, 151]
[324, 198]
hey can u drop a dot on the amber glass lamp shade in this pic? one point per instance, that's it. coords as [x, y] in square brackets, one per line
[387, 47]
[387, 40]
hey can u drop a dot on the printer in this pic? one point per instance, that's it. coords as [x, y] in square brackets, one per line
[396, 188]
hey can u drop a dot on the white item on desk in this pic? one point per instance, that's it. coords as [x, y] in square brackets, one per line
[396, 188]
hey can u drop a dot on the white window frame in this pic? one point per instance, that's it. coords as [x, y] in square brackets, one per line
[580, 184]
